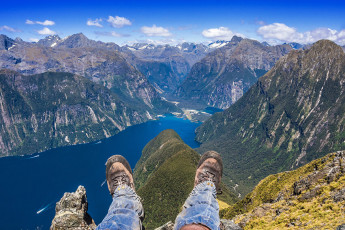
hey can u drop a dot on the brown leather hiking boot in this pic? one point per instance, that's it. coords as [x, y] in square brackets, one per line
[210, 168]
[118, 172]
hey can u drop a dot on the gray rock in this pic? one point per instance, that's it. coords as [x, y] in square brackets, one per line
[338, 195]
[229, 225]
[71, 212]
[341, 227]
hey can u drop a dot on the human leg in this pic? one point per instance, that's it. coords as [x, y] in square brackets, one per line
[201, 209]
[126, 211]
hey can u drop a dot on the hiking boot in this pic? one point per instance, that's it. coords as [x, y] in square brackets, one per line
[118, 172]
[210, 168]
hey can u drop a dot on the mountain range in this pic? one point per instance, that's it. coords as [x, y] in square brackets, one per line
[97, 61]
[292, 115]
[225, 74]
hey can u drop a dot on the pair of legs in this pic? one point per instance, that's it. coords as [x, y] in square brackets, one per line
[200, 211]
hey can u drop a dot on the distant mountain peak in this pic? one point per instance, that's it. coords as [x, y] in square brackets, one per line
[76, 41]
[49, 41]
[236, 39]
[5, 42]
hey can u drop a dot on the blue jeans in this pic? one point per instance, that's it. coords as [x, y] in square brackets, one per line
[125, 211]
[201, 207]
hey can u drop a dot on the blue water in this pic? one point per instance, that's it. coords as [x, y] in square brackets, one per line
[31, 185]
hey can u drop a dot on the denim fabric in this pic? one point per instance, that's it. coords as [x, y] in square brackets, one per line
[201, 207]
[124, 212]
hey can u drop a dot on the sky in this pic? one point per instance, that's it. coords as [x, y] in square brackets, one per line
[173, 22]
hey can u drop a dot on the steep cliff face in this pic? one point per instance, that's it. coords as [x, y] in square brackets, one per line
[292, 115]
[43, 111]
[222, 77]
[164, 177]
[311, 197]
[98, 61]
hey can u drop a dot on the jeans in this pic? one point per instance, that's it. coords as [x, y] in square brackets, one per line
[125, 211]
[201, 207]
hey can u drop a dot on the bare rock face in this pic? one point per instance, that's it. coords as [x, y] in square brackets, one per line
[71, 212]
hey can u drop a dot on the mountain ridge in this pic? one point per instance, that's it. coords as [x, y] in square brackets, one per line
[44, 111]
[292, 115]
[223, 75]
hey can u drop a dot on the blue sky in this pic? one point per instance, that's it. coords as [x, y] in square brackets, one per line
[176, 21]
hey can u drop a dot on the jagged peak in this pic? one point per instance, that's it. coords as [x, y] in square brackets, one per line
[236, 39]
[6, 42]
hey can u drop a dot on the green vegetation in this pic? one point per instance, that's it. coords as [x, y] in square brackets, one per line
[164, 177]
[291, 116]
[50, 110]
[311, 197]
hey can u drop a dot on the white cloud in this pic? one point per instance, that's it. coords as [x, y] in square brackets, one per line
[221, 33]
[118, 22]
[29, 22]
[95, 22]
[46, 31]
[45, 23]
[278, 32]
[34, 39]
[10, 29]
[155, 31]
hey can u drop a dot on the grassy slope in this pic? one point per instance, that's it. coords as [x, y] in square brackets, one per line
[299, 199]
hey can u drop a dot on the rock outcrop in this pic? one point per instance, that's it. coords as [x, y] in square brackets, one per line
[292, 115]
[71, 212]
